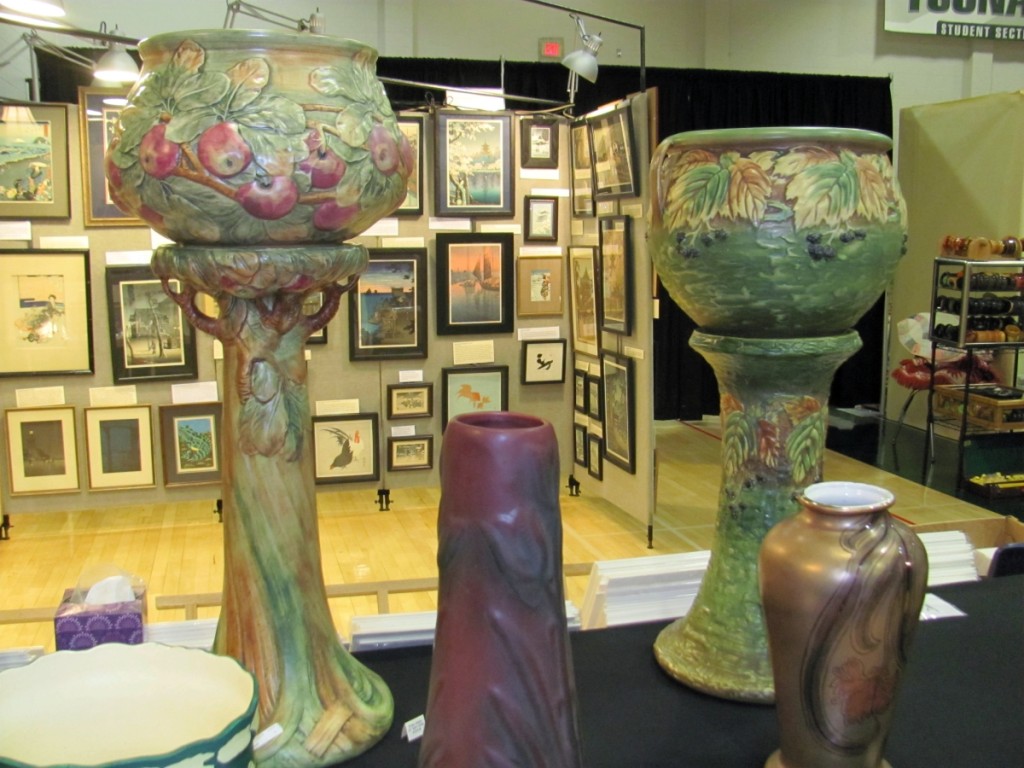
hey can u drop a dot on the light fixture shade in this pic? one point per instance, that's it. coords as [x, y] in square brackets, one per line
[583, 63]
[47, 8]
[116, 66]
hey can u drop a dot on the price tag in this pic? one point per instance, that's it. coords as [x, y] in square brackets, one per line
[267, 735]
[413, 729]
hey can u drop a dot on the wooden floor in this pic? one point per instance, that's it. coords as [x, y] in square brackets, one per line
[177, 548]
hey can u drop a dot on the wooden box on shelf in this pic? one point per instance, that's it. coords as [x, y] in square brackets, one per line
[989, 406]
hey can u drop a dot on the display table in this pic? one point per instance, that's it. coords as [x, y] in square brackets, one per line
[961, 704]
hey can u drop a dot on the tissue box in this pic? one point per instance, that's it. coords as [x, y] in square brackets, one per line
[78, 626]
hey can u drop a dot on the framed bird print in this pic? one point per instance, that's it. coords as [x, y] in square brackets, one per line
[346, 448]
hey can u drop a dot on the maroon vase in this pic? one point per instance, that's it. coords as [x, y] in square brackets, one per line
[501, 685]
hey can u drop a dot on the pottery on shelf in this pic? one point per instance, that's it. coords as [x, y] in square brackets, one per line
[251, 137]
[127, 706]
[774, 241]
[502, 691]
[842, 583]
[259, 153]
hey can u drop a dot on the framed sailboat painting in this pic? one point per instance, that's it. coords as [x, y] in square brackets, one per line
[475, 283]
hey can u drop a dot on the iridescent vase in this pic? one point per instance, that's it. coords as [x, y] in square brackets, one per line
[774, 241]
[260, 153]
[842, 582]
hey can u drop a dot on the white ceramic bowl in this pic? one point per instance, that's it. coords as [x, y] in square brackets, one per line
[127, 705]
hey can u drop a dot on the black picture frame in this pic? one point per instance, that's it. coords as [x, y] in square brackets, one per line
[595, 457]
[473, 389]
[542, 361]
[615, 265]
[595, 397]
[538, 138]
[541, 218]
[618, 392]
[413, 400]
[473, 160]
[387, 310]
[579, 444]
[412, 127]
[346, 448]
[581, 171]
[150, 339]
[613, 147]
[475, 283]
[311, 304]
[410, 452]
[579, 380]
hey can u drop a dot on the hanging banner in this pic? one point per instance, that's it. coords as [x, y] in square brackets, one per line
[980, 19]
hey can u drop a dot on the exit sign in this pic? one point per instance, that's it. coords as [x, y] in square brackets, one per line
[551, 48]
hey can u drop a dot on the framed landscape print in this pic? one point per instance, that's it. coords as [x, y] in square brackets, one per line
[42, 453]
[190, 443]
[472, 389]
[99, 109]
[410, 401]
[474, 283]
[583, 287]
[473, 164]
[579, 444]
[45, 313]
[387, 311]
[541, 218]
[581, 167]
[346, 448]
[413, 452]
[619, 407]
[539, 142]
[150, 339]
[310, 306]
[540, 286]
[611, 138]
[411, 127]
[119, 444]
[34, 179]
[595, 457]
[543, 362]
[579, 381]
[616, 275]
[595, 397]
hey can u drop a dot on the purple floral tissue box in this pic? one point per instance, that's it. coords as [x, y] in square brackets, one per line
[79, 626]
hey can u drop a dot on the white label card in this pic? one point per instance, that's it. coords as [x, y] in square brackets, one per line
[413, 729]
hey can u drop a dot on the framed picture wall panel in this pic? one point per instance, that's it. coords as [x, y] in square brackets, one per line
[42, 451]
[119, 442]
[473, 173]
[34, 179]
[475, 283]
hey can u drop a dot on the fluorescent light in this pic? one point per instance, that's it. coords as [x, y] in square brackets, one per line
[31, 21]
[45, 8]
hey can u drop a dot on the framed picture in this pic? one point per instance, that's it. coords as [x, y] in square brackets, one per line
[190, 443]
[345, 448]
[415, 452]
[616, 275]
[619, 406]
[411, 127]
[583, 293]
[581, 167]
[99, 109]
[595, 397]
[541, 218]
[150, 339]
[595, 456]
[611, 138]
[41, 450]
[474, 283]
[410, 401]
[310, 306]
[45, 313]
[543, 362]
[580, 390]
[539, 142]
[473, 164]
[387, 311]
[34, 182]
[119, 444]
[579, 444]
[471, 389]
[540, 286]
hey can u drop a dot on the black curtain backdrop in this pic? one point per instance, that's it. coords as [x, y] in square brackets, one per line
[687, 100]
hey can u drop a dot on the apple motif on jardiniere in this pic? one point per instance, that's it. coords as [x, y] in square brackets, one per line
[223, 143]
